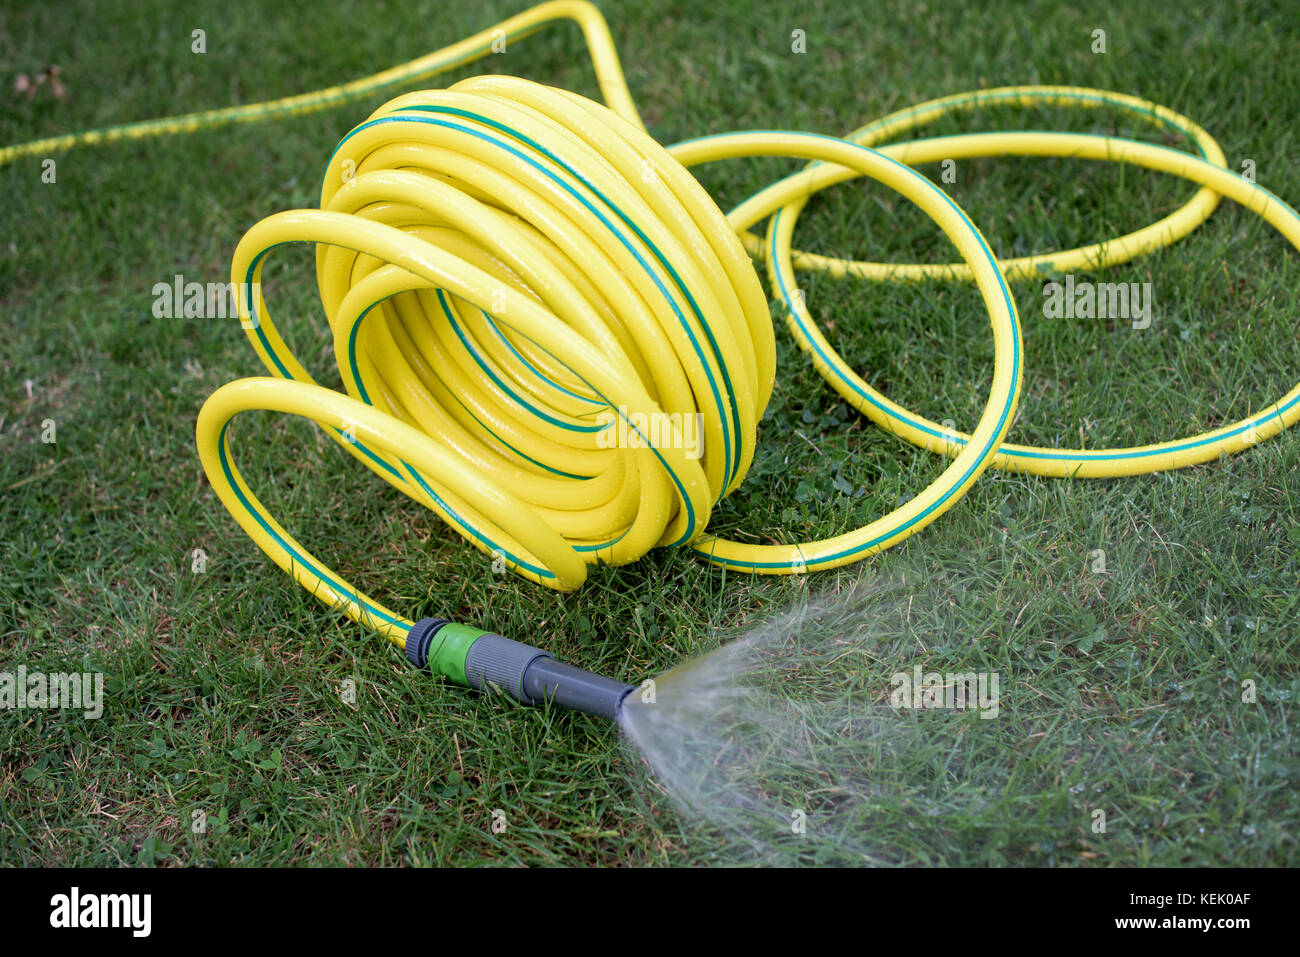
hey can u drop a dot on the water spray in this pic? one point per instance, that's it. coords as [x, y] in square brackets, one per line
[510, 271]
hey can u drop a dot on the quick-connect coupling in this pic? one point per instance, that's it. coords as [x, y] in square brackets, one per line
[479, 659]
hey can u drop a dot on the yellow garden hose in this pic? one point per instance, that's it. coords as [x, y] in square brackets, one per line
[514, 274]
[495, 351]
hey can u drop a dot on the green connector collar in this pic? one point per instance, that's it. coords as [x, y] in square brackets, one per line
[441, 646]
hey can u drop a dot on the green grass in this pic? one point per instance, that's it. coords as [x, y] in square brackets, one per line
[224, 687]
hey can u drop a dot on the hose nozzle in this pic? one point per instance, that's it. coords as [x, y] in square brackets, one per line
[479, 659]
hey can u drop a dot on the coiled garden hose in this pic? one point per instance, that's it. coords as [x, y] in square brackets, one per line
[515, 275]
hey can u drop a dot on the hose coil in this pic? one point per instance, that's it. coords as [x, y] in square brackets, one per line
[550, 336]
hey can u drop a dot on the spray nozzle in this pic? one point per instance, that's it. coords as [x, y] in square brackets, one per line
[477, 659]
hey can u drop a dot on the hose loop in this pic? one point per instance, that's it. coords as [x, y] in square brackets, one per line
[549, 335]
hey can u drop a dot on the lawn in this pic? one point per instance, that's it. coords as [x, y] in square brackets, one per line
[295, 737]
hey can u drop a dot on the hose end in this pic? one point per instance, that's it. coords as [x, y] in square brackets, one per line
[419, 639]
[551, 680]
[532, 676]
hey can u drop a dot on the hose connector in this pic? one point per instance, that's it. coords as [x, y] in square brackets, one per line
[480, 659]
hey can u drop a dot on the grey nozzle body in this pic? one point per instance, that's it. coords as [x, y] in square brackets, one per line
[493, 660]
[549, 680]
[532, 676]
